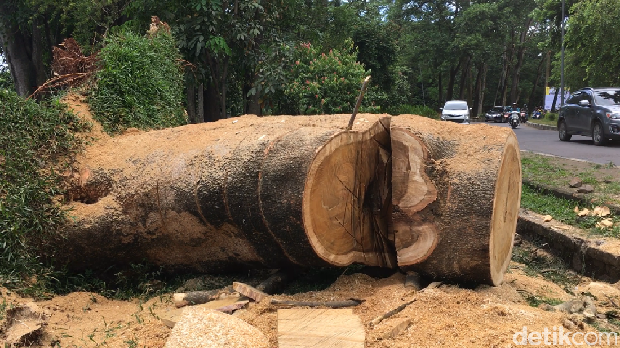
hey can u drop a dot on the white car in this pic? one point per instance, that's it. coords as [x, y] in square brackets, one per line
[455, 111]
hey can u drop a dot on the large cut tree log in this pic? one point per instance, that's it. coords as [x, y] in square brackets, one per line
[456, 195]
[246, 191]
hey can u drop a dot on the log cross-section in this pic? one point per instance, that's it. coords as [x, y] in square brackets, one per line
[456, 195]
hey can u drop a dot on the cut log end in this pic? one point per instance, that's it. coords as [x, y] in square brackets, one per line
[346, 202]
[505, 210]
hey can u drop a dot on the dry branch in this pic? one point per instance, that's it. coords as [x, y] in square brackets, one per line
[386, 315]
[182, 299]
[331, 304]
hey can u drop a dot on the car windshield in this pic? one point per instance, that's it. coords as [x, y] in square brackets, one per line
[607, 97]
[455, 106]
[497, 109]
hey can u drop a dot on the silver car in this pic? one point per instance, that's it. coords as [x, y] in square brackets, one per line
[455, 111]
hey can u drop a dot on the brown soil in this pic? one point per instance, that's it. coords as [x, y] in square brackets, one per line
[448, 316]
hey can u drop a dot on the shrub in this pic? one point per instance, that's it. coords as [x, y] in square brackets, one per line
[35, 140]
[552, 116]
[421, 110]
[325, 83]
[140, 83]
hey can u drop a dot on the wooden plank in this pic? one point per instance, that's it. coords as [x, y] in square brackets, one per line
[324, 328]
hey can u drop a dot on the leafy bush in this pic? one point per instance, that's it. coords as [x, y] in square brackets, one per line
[421, 110]
[34, 140]
[552, 116]
[140, 83]
[324, 83]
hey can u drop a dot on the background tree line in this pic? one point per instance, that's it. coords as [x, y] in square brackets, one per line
[278, 56]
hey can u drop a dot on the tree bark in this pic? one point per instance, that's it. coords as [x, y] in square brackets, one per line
[456, 196]
[191, 99]
[265, 192]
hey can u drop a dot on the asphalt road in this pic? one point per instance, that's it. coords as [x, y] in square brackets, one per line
[547, 142]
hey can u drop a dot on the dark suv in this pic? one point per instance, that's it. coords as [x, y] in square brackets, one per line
[591, 112]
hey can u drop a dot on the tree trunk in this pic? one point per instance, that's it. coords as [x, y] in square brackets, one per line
[268, 192]
[555, 99]
[451, 78]
[15, 45]
[191, 99]
[456, 196]
[514, 90]
[530, 100]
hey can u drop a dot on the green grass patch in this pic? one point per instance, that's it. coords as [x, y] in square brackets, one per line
[547, 265]
[140, 83]
[36, 142]
[563, 210]
[536, 301]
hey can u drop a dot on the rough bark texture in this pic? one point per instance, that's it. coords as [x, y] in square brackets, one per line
[239, 192]
[456, 194]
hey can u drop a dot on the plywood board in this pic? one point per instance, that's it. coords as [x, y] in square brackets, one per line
[324, 328]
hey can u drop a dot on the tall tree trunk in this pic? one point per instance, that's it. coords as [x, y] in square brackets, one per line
[191, 99]
[530, 100]
[478, 91]
[15, 47]
[514, 90]
[485, 68]
[464, 72]
[555, 99]
[440, 86]
[211, 104]
[451, 78]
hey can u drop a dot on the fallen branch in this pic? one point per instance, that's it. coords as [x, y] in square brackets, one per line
[332, 304]
[397, 330]
[274, 283]
[182, 299]
[233, 307]
[249, 291]
[396, 310]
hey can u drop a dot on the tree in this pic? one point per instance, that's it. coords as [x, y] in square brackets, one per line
[591, 37]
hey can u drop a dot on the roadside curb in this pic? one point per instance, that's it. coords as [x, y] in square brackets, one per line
[594, 257]
[567, 194]
[541, 126]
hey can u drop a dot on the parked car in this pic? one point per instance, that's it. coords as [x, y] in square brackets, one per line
[455, 111]
[592, 112]
[495, 114]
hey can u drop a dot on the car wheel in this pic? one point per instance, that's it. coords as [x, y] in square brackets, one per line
[598, 137]
[564, 136]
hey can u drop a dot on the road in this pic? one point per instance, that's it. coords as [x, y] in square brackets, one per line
[547, 142]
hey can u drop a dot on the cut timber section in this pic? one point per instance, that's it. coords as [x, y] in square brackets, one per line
[241, 192]
[456, 195]
[320, 328]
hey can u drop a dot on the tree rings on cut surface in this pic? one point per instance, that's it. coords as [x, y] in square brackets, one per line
[456, 195]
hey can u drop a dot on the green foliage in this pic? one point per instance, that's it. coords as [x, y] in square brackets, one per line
[34, 140]
[421, 110]
[551, 116]
[6, 82]
[140, 83]
[591, 37]
[324, 83]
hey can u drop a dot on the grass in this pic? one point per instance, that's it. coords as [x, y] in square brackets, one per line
[549, 267]
[563, 210]
[550, 119]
